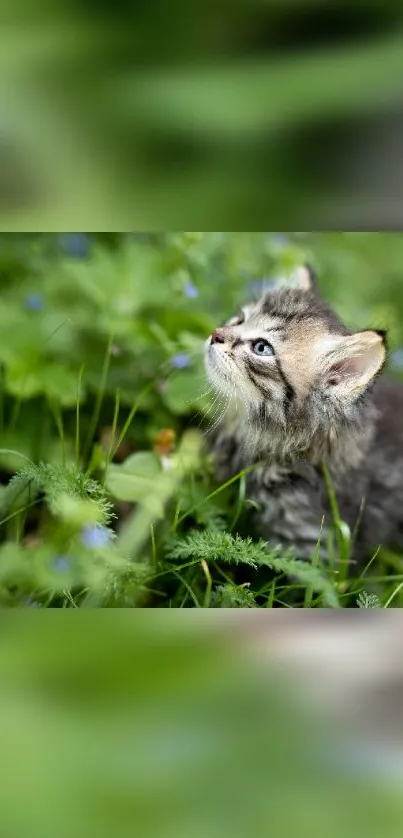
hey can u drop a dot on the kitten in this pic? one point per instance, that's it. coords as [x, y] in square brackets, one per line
[300, 389]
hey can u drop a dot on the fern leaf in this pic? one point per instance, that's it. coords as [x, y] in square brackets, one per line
[224, 547]
[365, 600]
[232, 596]
[25, 482]
[54, 480]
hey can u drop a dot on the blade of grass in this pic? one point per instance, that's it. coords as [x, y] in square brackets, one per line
[270, 599]
[115, 420]
[19, 511]
[77, 444]
[55, 331]
[209, 586]
[393, 595]
[217, 492]
[1, 398]
[315, 563]
[394, 578]
[153, 548]
[99, 399]
[170, 569]
[131, 415]
[57, 415]
[344, 543]
[19, 527]
[70, 599]
[240, 502]
[13, 453]
[16, 409]
[357, 523]
[222, 573]
[391, 559]
[176, 517]
[17, 404]
[188, 588]
[367, 566]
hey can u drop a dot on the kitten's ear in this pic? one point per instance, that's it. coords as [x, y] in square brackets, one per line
[354, 362]
[304, 278]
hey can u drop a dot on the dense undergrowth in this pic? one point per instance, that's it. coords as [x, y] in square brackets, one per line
[107, 493]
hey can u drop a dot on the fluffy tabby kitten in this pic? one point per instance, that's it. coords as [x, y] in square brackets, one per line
[300, 389]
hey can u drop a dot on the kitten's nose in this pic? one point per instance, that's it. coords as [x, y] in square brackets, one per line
[217, 336]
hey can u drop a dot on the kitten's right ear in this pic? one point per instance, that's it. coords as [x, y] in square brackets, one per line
[304, 278]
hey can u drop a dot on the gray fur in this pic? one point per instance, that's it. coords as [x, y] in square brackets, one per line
[319, 400]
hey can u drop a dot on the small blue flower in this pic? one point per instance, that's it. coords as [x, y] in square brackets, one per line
[61, 564]
[191, 291]
[181, 361]
[75, 244]
[35, 302]
[95, 536]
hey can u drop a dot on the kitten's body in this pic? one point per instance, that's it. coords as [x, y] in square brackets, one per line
[316, 400]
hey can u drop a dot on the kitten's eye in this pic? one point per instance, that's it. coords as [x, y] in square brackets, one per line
[262, 347]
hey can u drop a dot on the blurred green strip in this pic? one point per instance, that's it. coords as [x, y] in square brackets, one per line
[27, 47]
[244, 98]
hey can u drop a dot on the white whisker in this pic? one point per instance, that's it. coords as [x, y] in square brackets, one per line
[206, 393]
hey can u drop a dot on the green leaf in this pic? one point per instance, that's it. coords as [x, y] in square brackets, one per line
[136, 480]
[60, 384]
[183, 391]
[22, 382]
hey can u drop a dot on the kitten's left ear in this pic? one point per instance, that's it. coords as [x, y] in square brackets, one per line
[354, 362]
[304, 278]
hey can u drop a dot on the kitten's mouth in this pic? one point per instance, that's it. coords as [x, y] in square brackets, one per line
[216, 368]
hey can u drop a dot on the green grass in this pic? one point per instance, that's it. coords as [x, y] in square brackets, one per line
[107, 494]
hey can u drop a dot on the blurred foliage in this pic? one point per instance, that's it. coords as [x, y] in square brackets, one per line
[107, 493]
[161, 727]
[245, 112]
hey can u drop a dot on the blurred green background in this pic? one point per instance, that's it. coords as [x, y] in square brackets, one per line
[104, 475]
[134, 116]
[167, 727]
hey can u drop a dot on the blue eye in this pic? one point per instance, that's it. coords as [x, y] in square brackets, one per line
[262, 347]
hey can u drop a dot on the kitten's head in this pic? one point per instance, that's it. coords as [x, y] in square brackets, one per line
[289, 363]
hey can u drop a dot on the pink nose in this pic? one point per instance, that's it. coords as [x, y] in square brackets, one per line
[217, 336]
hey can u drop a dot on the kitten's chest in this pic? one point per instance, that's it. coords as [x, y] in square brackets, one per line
[237, 446]
[289, 505]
